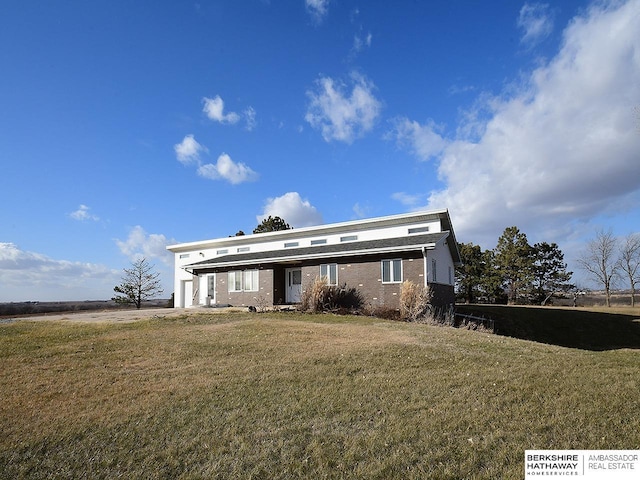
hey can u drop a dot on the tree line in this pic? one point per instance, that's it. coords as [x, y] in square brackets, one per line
[612, 261]
[514, 272]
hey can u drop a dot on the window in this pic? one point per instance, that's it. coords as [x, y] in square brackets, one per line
[211, 286]
[433, 270]
[348, 238]
[319, 241]
[392, 271]
[184, 255]
[450, 276]
[235, 281]
[418, 230]
[243, 281]
[330, 273]
[243, 249]
[222, 252]
[251, 280]
[291, 244]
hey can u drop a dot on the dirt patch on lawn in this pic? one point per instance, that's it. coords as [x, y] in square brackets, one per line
[119, 316]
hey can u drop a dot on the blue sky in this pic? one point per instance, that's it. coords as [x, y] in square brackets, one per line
[128, 126]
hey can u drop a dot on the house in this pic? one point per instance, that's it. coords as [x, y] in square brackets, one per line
[373, 255]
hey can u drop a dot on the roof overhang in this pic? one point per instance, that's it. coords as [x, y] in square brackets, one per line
[352, 249]
[326, 229]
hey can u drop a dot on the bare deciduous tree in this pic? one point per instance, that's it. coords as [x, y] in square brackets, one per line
[599, 260]
[629, 262]
[139, 283]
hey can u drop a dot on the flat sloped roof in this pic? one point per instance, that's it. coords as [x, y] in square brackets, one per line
[367, 247]
[352, 226]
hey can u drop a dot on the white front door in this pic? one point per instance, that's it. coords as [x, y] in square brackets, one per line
[186, 290]
[293, 285]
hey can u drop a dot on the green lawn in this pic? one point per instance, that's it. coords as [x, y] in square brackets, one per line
[285, 395]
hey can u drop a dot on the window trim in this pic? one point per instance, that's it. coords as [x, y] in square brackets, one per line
[240, 278]
[392, 277]
[327, 275]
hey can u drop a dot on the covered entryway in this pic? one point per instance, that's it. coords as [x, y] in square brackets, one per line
[293, 285]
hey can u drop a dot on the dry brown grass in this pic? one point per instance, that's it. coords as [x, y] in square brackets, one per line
[415, 300]
[293, 396]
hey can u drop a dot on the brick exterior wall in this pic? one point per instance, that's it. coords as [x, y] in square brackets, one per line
[367, 278]
[363, 274]
[244, 299]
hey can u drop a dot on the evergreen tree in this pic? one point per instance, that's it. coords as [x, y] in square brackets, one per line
[514, 261]
[271, 224]
[492, 284]
[470, 274]
[549, 272]
[478, 279]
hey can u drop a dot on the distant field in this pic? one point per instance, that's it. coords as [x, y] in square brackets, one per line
[285, 395]
[17, 309]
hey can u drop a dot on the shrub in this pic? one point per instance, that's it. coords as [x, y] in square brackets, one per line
[320, 297]
[415, 301]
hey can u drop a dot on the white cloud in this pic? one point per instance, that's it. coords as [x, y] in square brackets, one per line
[423, 140]
[214, 109]
[188, 151]
[318, 9]
[407, 200]
[292, 209]
[250, 118]
[361, 211]
[225, 168]
[139, 244]
[563, 147]
[341, 115]
[28, 275]
[360, 42]
[82, 214]
[536, 22]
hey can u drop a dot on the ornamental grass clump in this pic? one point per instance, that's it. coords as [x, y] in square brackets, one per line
[321, 297]
[415, 301]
